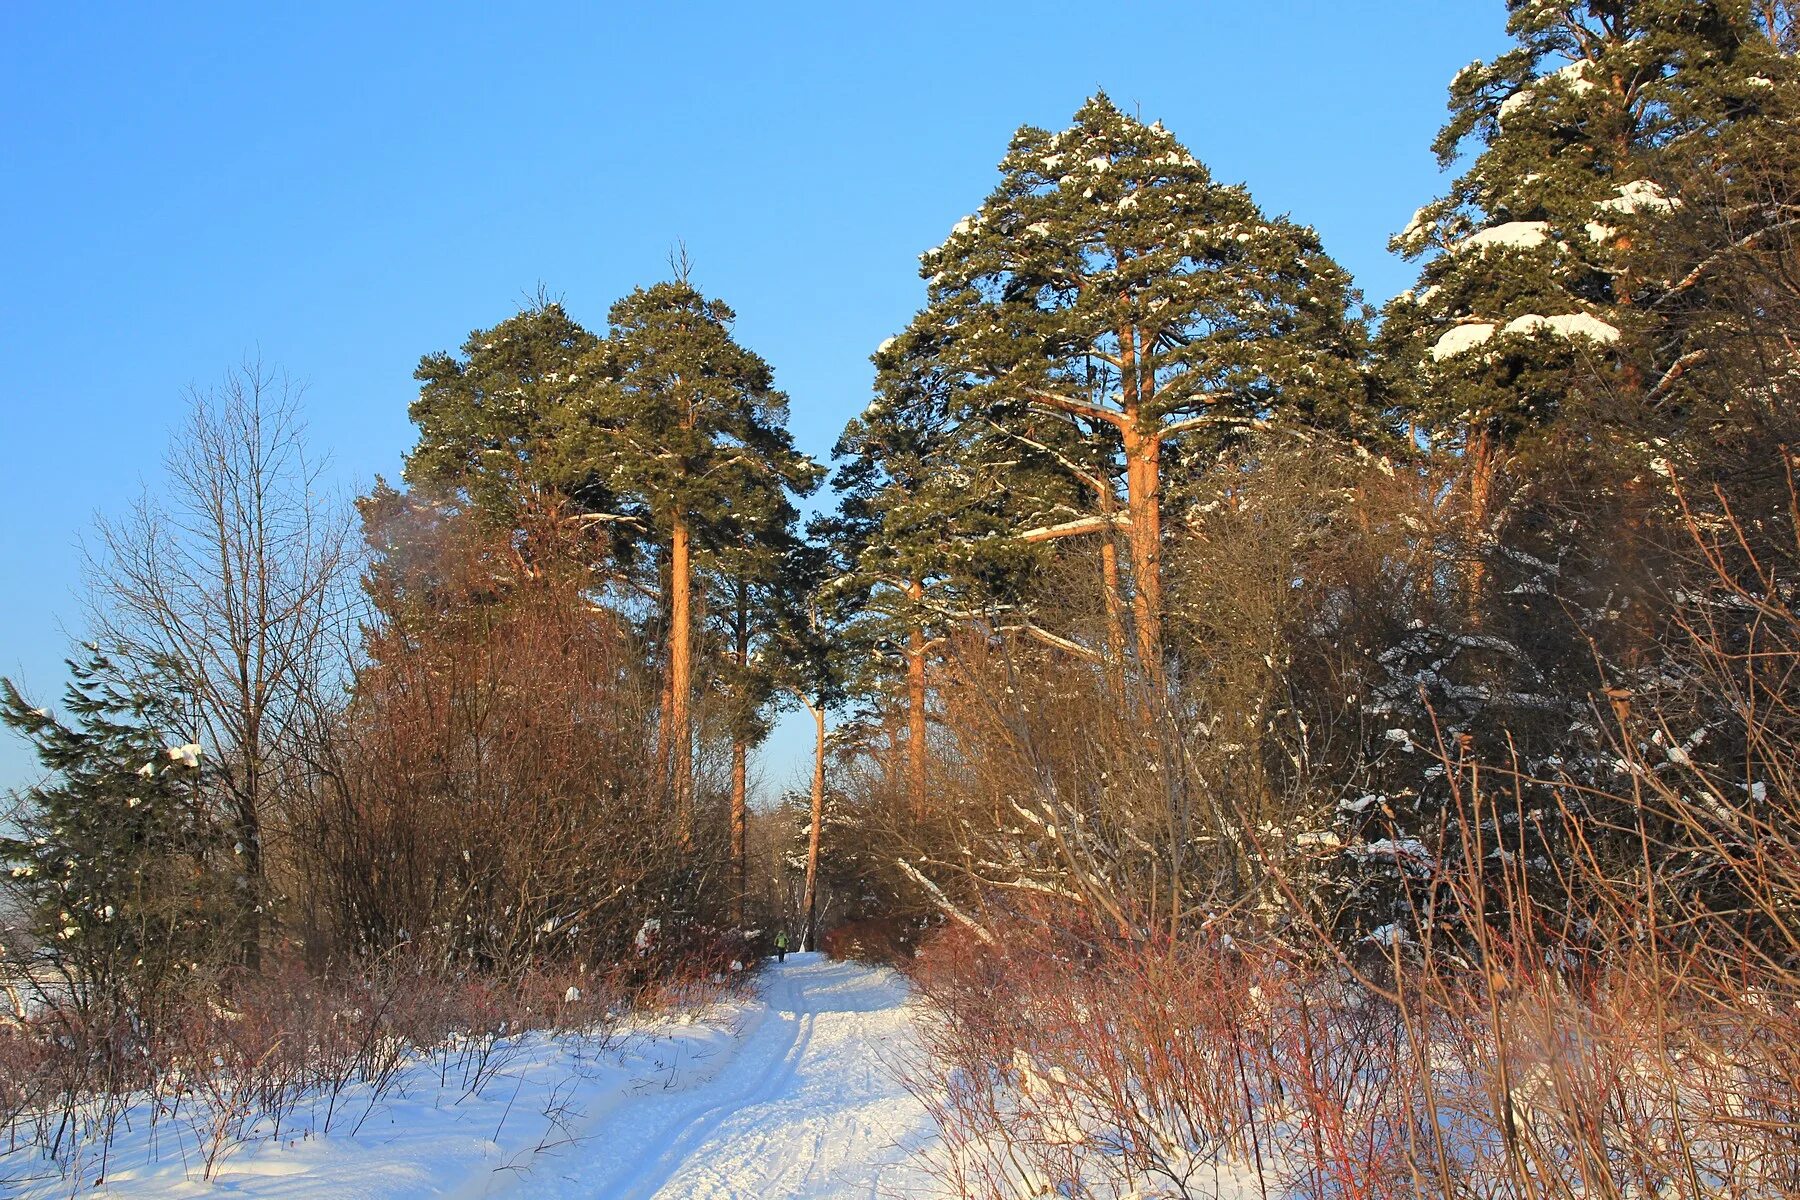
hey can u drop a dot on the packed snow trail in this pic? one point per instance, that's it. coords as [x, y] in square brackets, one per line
[807, 1105]
[785, 1093]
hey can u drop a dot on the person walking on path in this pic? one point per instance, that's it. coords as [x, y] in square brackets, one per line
[781, 946]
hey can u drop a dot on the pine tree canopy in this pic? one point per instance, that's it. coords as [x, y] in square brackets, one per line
[1535, 261]
[493, 424]
[1108, 268]
[923, 499]
[686, 421]
[1107, 305]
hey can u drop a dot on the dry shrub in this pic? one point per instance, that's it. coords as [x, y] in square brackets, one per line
[1193, 1070]
[874, 940]
[1164, 804]
[1621, 1021]
[294, 1054]
[1103, 1068]
[473, 846]
[493, 798]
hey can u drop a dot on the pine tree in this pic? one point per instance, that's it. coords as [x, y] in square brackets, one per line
[492, 423]
[688, 427]
[748, 573]
[1715, 273]
[916, 539]
[1534, 296]
[813, 661]
[115, 855]
[1110, 307]
[1541, 318]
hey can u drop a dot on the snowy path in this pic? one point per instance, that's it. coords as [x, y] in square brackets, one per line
[806, 1105]
[786, 1094]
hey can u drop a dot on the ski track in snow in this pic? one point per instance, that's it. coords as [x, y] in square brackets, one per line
[807, 1107]
[786, 1093]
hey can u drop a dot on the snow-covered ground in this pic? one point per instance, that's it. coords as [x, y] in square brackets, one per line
[805, 1106]
[788, 1094]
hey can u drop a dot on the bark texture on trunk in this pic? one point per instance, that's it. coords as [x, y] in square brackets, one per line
[1143, 498]
[915, 710]
[740, 813]
[1143, 470]
[1109, 581]
[810, 902]
[1480, 462]
[681, 678]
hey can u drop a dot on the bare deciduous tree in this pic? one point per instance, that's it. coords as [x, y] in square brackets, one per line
[237, 573]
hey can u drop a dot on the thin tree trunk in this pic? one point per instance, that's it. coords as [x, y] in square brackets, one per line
[1109, 580]
[1479, 453]
[740, 755]
[681, 678]
[809, 934]
[915, 709]
[249, 840]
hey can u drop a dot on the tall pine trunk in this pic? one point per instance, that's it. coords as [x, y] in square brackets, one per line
[1109, 583]
[681, 678]
[1143, 501]
[1144, 505]
[810, 903]
[915, 709]
[665, 696]
[740, 863]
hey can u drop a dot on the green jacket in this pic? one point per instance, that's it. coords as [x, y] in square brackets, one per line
[781, 941]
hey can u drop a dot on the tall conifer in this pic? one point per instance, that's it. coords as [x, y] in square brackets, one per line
[689, 426]
[1111, 307]
[1537, 291]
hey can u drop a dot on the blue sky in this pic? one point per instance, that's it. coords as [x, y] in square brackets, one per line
[342, 188]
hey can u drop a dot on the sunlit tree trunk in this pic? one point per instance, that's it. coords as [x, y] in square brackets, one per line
[1143, 500]
[681, 677]
[1144, 506]
[1479, 456]
[1109, 581]
[740, 755]
[810, 902]
[915, 709]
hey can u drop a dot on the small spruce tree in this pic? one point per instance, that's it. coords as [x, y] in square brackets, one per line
[115, 856]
